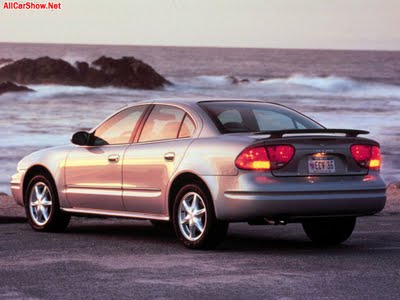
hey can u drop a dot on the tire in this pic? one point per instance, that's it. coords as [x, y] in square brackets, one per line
[42, 206]
[194, 218]
[330, 231]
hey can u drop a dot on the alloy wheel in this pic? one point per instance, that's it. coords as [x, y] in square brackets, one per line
[40, 203]
[192, 216]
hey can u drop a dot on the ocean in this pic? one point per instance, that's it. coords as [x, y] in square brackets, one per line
[340, 89]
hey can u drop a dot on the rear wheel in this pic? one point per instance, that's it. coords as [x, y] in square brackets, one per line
[330, 231]
[42, 206]
[194, 219]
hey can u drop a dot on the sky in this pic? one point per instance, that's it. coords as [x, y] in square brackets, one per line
[323, 24]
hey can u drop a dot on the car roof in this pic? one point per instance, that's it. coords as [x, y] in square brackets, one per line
[193, 101]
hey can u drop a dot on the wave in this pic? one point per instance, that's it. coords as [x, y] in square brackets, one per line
[72, 58]
[48, 91]
[341, 85]
[328, 83]
[296, 84]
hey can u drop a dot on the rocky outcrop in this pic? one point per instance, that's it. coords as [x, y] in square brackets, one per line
[5, 61]
[8, 86]
[127, 72]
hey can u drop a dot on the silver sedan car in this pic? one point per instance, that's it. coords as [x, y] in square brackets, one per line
[200, 164]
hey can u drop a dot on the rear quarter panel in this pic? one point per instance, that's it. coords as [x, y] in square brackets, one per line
[214, 156]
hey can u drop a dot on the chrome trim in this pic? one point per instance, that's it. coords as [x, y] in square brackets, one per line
[93, 191]
[115, 213]
[125, 188]
[91, 187]
[127, 191]
[149, 193]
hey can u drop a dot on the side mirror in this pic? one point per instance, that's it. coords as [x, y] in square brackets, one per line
[80, 138]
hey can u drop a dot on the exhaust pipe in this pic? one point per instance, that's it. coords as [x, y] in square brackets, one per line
[266, 221]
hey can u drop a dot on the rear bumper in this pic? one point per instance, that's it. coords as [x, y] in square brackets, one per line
[250, 196]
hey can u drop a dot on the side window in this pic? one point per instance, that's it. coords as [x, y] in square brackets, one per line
[187, 127]
[118, 129]
[163, 123]
[272, 120]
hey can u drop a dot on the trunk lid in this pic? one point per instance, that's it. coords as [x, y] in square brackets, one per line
[320, 156]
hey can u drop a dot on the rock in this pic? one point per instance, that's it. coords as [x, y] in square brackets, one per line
[8, 86]
[233, 79]
[83, 67]
[394, 186]
[40, 71]
[5, 61]
[127, 72]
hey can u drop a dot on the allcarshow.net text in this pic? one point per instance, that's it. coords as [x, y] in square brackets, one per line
[10, 5]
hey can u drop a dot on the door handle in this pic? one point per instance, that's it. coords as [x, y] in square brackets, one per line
[169, 156]
[113, 158]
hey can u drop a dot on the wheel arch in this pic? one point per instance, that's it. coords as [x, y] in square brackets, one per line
[180, 181]
[32, 172]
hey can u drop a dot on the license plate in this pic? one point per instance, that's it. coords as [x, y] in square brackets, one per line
[321, 165]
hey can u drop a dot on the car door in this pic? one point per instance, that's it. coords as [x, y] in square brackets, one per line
[93, 173]
[150, 163]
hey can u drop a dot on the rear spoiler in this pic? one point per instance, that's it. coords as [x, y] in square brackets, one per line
[280, 133]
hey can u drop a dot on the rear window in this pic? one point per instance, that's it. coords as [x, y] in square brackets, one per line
[233, 117]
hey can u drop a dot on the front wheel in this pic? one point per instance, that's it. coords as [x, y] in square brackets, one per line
[42, 206]
[194, 219]
[330, 231]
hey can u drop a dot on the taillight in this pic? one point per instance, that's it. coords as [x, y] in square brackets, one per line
[264, 158]
[367, 156]
[280, 155]
[375, 161]
[255, 158]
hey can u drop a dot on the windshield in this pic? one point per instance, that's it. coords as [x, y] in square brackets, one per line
[235, 116]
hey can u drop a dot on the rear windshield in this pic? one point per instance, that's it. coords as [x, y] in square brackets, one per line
[233, 117]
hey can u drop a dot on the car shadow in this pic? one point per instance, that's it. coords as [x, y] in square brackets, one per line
[235, 241]
[11, 220]
[270, 243]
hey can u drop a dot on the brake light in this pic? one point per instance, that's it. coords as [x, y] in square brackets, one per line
[255, 158]
[280, 155]
[367, 156]
[375, 162]
[264, 158]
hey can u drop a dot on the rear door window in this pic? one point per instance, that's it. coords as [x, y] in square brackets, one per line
[164, 123]
[187, 128]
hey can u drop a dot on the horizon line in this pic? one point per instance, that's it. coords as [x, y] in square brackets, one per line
[202, 46]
